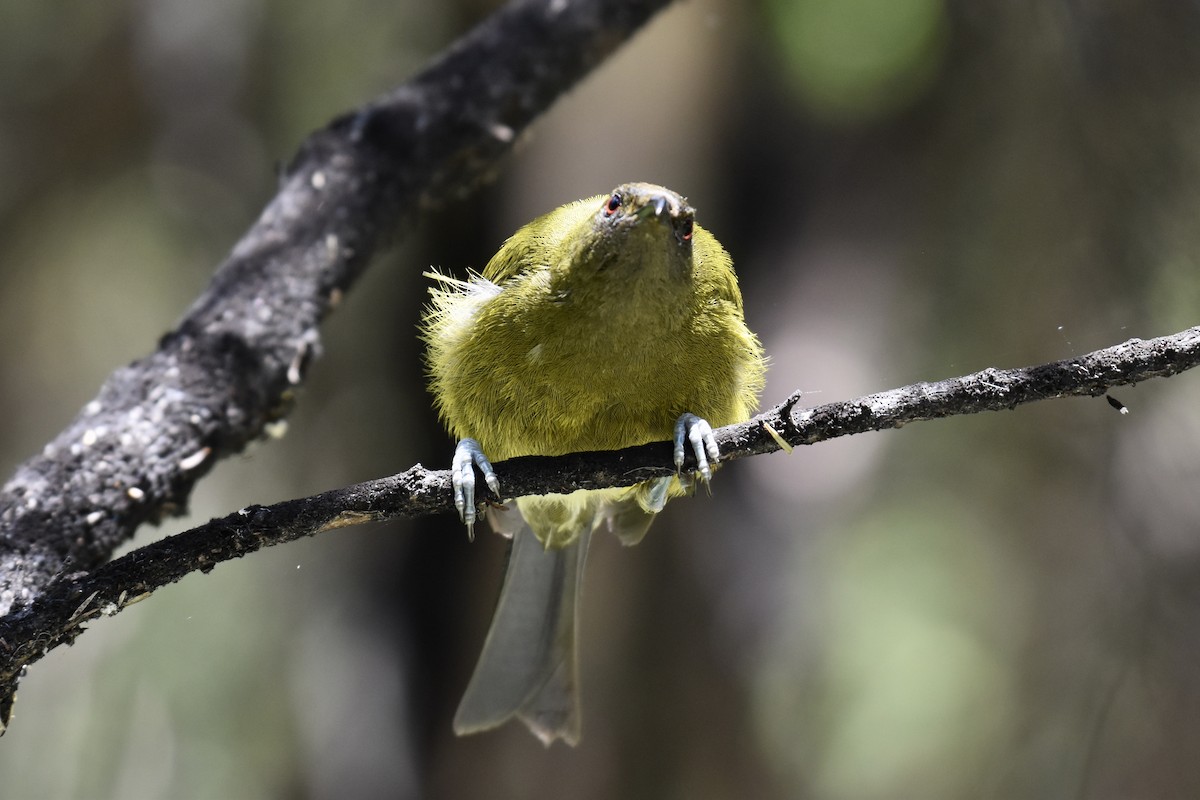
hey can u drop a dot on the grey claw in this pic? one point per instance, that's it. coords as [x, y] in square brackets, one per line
[693, 430]
[468, 455]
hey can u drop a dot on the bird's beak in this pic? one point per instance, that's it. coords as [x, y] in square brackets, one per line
[657, 207]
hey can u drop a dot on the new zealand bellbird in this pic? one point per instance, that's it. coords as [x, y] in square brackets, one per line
[609, 322]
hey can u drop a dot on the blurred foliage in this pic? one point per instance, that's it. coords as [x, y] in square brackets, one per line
[854, 60]
[993, 606]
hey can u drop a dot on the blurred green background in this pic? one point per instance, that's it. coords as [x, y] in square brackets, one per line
[997, 606]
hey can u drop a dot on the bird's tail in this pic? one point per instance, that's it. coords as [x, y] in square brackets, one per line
[529, 664]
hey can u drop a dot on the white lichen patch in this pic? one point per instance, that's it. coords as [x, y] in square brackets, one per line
[501, 132]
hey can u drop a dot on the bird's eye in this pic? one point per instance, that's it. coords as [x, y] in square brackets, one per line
[612, 205]
[686, 231]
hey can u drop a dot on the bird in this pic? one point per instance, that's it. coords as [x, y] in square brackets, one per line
[608, 322]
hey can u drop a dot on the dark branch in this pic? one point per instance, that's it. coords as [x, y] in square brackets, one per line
[230, 367]
[61, 613]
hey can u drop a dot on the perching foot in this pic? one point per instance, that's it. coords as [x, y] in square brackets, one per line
[468, 455]
[694, 431]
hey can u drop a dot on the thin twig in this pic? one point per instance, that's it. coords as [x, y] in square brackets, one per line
[63, 611]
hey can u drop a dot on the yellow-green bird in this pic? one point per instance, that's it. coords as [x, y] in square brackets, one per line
[609, 322]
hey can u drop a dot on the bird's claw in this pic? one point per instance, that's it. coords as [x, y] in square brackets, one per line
[468, 455]
[696, 432]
